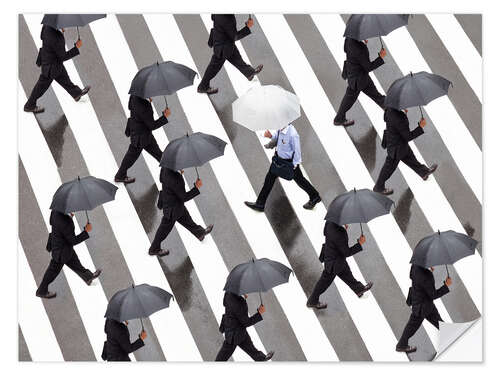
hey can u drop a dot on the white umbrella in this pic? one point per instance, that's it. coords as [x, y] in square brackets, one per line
[266, 107]
[459, 342]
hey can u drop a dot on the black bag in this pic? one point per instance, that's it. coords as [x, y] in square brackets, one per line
[408, 297]
[384, 140]
[282, 167]
[127, 128]
[38, 61]
[48, 247]
[159, 204]
[222, 328]
[104, 354]
[211, 38]
[344, 73]
[322, 254]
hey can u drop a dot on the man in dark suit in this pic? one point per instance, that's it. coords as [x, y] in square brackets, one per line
[397, 136]
[356, 69]
[140, 128]
[421, 298]
[118, 346]
[171, 200]
[51, 57]
[234, 325]
[62, 240]
[333, 254]
[222, 38]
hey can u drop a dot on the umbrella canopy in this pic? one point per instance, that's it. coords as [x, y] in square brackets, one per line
[358, 206]
[266, 107]
[82, 194]
[258, 275]
[164, 78]
[137, 302]
[59, 21]
[416, 89]
[443, 248]
[365, 26]
[192, 151]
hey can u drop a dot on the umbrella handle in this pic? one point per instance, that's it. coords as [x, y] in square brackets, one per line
[78, 31]
[197, 175]
[382, 44]
[260, 296]
[361, 226]
[142, 325]
[166, 104]
[421, 114]
[447, 273]
[249, 16]
[88, 222]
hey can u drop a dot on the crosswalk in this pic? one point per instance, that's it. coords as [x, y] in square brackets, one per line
[351, 328]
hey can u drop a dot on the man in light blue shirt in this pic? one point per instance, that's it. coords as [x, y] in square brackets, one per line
[287, 148]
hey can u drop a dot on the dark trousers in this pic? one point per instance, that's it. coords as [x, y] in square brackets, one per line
[55, 268]
[391, 164]
[326, 280]
[44, 82]
[351, 95]
[246, 345]
[414, 324]
[298, 178]
[167, 224]
[216, 64]
[133, 154]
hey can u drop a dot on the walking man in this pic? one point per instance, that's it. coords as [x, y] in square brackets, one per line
[333, 254]
[222, 38]
[50, 58]
[140, 128]
[396, 138]
[356, 68]
[421, 299]
[287, 149]
[171, 200]
[117, 346]
[234, 325]
[61, 242]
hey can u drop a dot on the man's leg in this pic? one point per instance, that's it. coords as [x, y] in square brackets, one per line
[305, 185]
[434, 317]
[213, 68]
[371, 91]
[240, 64]
[348, 101]
[347, 277]
[411, 161]
[39, 89]
[162, 232]
[225, 352]
[50, 275]
[321, 286]
[187, 222]
[75, 265]
[63, 79]
[266, 189]
[411, 327]
[154, 150]
[129, 159]
[386, 172]
[247, 346]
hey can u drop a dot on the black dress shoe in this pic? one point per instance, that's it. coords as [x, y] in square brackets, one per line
[84, 91]
[255, 72]
[431, 170]
[207, 231]
[269, 355]
[384, 191]
[319, 305]
[365, 289]
[35, 109]
[312, 202]
[208, 90]
[255, 206]
[346, 122]
[125, 180]
[95, 275]
[160, 253]
[406, 349]
[48, 295]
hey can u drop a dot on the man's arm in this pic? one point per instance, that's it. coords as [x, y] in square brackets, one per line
[180, 191]
[297, 156]
[70, 236]
[343, 246]
[62, 54]
[127, 346]
[404, 130]
[146, 117]
[368, 66]
[247, 321]
[431, 290]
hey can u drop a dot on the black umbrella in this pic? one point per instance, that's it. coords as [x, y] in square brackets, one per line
[443, 248]
[164, 78]
[137, 302]
[82, 194]
[358, 206]
[365, 26]
[192, 151]
[416, 89]
[58, 21]
[256, 276]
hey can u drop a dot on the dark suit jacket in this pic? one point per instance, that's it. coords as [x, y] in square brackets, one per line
[141, 123]
[63, 236]
[358, 63]
[118, 345]
[398, 133]
[53, 52]
[423, 290]
[236, 319]
[174, 193]
[336, 248]
[225, 34]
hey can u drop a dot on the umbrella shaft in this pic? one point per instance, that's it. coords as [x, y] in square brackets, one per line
[166, 104]
[260, 296]
[86, 214]
[78, 31]
[382, 44]
[421, 114]
[142, 325]
[361, 226]
[197, 175]
[447, 273]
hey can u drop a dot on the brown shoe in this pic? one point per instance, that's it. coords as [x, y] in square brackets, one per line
[48, 295]
[95, 275]
[36, 109]
[367, 287]
[344, 123]
[209, 90]
[384, 191]
[255, 72]
[318, 306]
[269, 355]
[406, 349]
[160, 253]
[125, 180]
[431, 170]
[84, 91]
[207, 231]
